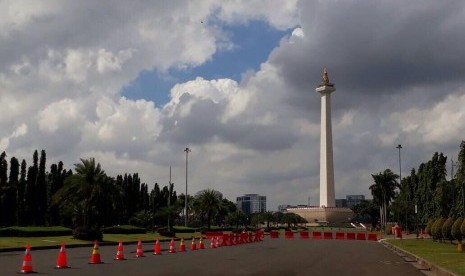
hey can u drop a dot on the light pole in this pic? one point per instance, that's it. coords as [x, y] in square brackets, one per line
[187, 150]
[400, 178]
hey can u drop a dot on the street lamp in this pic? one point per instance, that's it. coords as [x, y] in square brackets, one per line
[187, 150]
[400, 177]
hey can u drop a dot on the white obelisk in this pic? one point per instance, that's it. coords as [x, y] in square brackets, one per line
[327, 197]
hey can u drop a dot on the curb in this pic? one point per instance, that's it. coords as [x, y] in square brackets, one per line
[427, 264]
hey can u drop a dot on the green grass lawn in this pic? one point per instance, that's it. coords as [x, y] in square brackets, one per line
[442, 254]
[10, 242]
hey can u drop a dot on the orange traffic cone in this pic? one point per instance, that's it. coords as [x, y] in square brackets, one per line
[172, 249]
[119, 252]
[27, 261]
[139, 250]
[62, 260]
[217, 244]
[95, 257]
[193, 246]
[182, 246]
[212, 243]
[157, 249]
[201, 246]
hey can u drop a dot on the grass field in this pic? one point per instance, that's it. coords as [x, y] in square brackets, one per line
[12, 242]
[442, 254]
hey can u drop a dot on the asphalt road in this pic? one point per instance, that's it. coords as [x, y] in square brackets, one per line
[270, 257]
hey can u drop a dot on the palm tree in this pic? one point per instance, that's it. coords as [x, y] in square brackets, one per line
[383, 191]
[85, 191]
[208, 202]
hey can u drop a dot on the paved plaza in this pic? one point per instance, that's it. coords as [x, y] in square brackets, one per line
[270, 257]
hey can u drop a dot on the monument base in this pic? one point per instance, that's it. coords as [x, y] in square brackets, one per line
[324, 215]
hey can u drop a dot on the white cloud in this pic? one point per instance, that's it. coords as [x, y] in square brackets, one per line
[62, 69]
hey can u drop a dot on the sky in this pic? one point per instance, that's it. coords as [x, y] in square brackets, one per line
[133, 84]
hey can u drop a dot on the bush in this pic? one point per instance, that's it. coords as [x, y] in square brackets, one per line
[429, 226]
[447, 229]
[182, 229]
[462, 228]
[437, 229]
[88, 234]
[456, 233]
[165, 233]
[124, 229]
[16, 231]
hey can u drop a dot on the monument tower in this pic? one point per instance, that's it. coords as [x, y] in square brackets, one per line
[326, 213]
[327, 197]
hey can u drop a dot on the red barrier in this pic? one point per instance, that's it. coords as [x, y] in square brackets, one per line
[288, 235]
[274, 235]
[250, 237]
[213, 234]
[340, 236]
[350, 236]
[361, 236]
[304, 234]
[316, 235]
[225, 240]
[244, 237]
[372, 237]
[328, 235]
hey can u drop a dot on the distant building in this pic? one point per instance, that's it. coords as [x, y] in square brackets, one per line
[353, 200]
[283, 208]
[341, 202]
[251, 203]
[350, 201]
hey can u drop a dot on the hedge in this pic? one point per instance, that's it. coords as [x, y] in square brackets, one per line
[16, 231]
[124, 229]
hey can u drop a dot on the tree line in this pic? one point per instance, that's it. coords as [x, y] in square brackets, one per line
[88, 197]
[420, 196]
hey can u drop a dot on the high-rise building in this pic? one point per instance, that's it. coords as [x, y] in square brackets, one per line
[350, 201]
[251, 203]
[353, 200]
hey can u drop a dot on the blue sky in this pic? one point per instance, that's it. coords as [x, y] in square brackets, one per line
[253, 42]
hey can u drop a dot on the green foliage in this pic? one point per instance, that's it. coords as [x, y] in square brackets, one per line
[456, 232]
[462, 228]
[183, 229]
[124, 229]
[437, 229]
[16, 231]
[447, 229]
[208, 203]
[429, 226]
[88, 233]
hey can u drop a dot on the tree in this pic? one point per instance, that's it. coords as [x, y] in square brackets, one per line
[41, 191]
[208, 203]
[3, 185]
[21, 193]
[383, 191]
[237, 218]
[366, 212]
[447, 229]
[84, 190]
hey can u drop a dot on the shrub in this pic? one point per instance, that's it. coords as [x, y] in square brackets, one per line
[437, 229]
[165, 233]
[429, 226]
[88, 234]
[182, 229]
[124, 229]
[447, 229]
[456, 232]
[16, 231]
[462, 228]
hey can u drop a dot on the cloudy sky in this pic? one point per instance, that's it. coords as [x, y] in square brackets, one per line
[133, 83]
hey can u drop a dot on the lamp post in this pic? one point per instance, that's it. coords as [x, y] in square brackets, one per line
[400, 177]
[187, 150]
